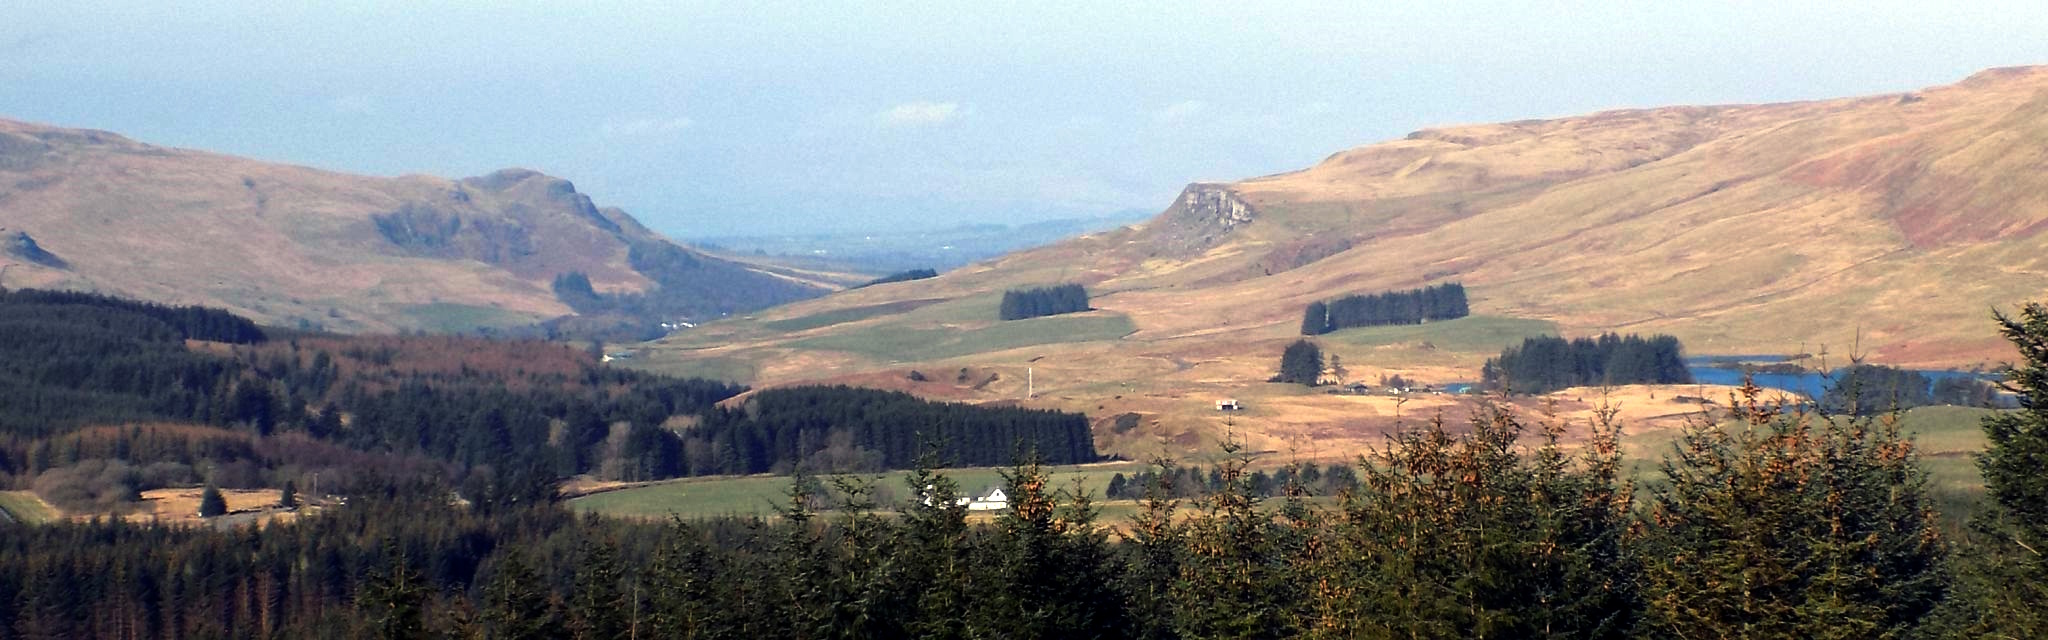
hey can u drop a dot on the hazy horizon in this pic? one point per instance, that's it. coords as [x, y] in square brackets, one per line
[725, 119]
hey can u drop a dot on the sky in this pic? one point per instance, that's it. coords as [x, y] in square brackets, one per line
[709, 119]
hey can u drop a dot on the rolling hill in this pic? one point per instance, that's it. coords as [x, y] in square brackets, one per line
[1889, 225]
[296, 246]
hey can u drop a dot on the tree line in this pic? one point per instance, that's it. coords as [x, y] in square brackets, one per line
[901, 276]
[843, 428]
[1547, 363]
[100, 399]
[1019, 304]
[1414, 306]
[1193, 481]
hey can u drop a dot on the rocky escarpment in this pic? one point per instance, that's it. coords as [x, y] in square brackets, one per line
[1199, 218]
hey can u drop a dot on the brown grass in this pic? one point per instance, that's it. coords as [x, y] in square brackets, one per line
[1884, 225]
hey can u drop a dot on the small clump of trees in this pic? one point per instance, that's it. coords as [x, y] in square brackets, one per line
[1019, 304]
[1414, 306]
[1548, 363]
[1300, 363]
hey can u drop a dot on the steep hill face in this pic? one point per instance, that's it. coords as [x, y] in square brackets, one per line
[1888, 225]
[293, 245]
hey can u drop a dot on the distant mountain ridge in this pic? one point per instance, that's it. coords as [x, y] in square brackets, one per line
[292, 245]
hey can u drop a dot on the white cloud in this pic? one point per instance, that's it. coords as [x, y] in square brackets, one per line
[1180, 111]
[646, 126]
[920, 113]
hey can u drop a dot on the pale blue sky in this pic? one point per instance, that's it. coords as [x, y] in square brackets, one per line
[724, 118]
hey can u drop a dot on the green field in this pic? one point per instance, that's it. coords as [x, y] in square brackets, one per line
[1948, 439]
[842, 316]
[716, 368]
[446, 317]
[759, 495]
[25, 507]
[1470, 334]
[901, 343]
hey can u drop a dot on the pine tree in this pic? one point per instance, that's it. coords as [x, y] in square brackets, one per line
[598, 607]
[1470, 535]
[211, 503]
[1232, 581]
[1155, 548]
[2012, 593]
[289, 497]
[1049, 564]
[393, 599]
[1301, 363]
[686, 587]
[938, 567]
[1790, 524]
[517, 605]
[1315, 320]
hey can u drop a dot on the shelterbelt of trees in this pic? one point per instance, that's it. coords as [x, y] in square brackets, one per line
[1547, 363]
[102, 398]
[1019, 304]
[1414, 306]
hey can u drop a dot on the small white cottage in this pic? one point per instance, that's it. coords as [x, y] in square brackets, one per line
[996, 500]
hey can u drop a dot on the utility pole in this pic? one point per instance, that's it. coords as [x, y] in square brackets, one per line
[1030, 384]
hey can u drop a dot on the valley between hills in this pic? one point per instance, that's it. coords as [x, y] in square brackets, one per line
[1890, 226]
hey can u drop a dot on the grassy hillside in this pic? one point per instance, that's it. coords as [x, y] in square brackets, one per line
[295, 246]
[1888, 225]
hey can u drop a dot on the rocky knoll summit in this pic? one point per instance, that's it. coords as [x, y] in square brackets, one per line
[299, 246]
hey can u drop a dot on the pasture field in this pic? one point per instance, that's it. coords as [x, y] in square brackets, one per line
[448, 317]
[1479, 333]
[25, 507]
[896, 343]
[1947, 437]
[843, 316]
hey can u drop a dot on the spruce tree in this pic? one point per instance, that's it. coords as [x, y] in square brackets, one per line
[1471, 535]
[2013, 592]
[1784, 523]
[598, 608]
[393, 599]
[517, 604]
[1315, 320]
[1232, 582]
[289, 497]
[938, 568]
[1301, 363]
[211, 503]
[1154, 548]
[686, 587]
[1050, 574]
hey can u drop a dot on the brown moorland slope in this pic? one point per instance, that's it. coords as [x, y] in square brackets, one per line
[1891, 223]
[284, 244]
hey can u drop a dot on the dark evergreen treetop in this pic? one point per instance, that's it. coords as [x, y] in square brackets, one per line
[186, 322]
[1548, 363]
[1301, 363]
[781, 429]
[1019, 304]
[1414, 306]
[901, 276]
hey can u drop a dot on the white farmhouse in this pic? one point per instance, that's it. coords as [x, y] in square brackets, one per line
[996, 500]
